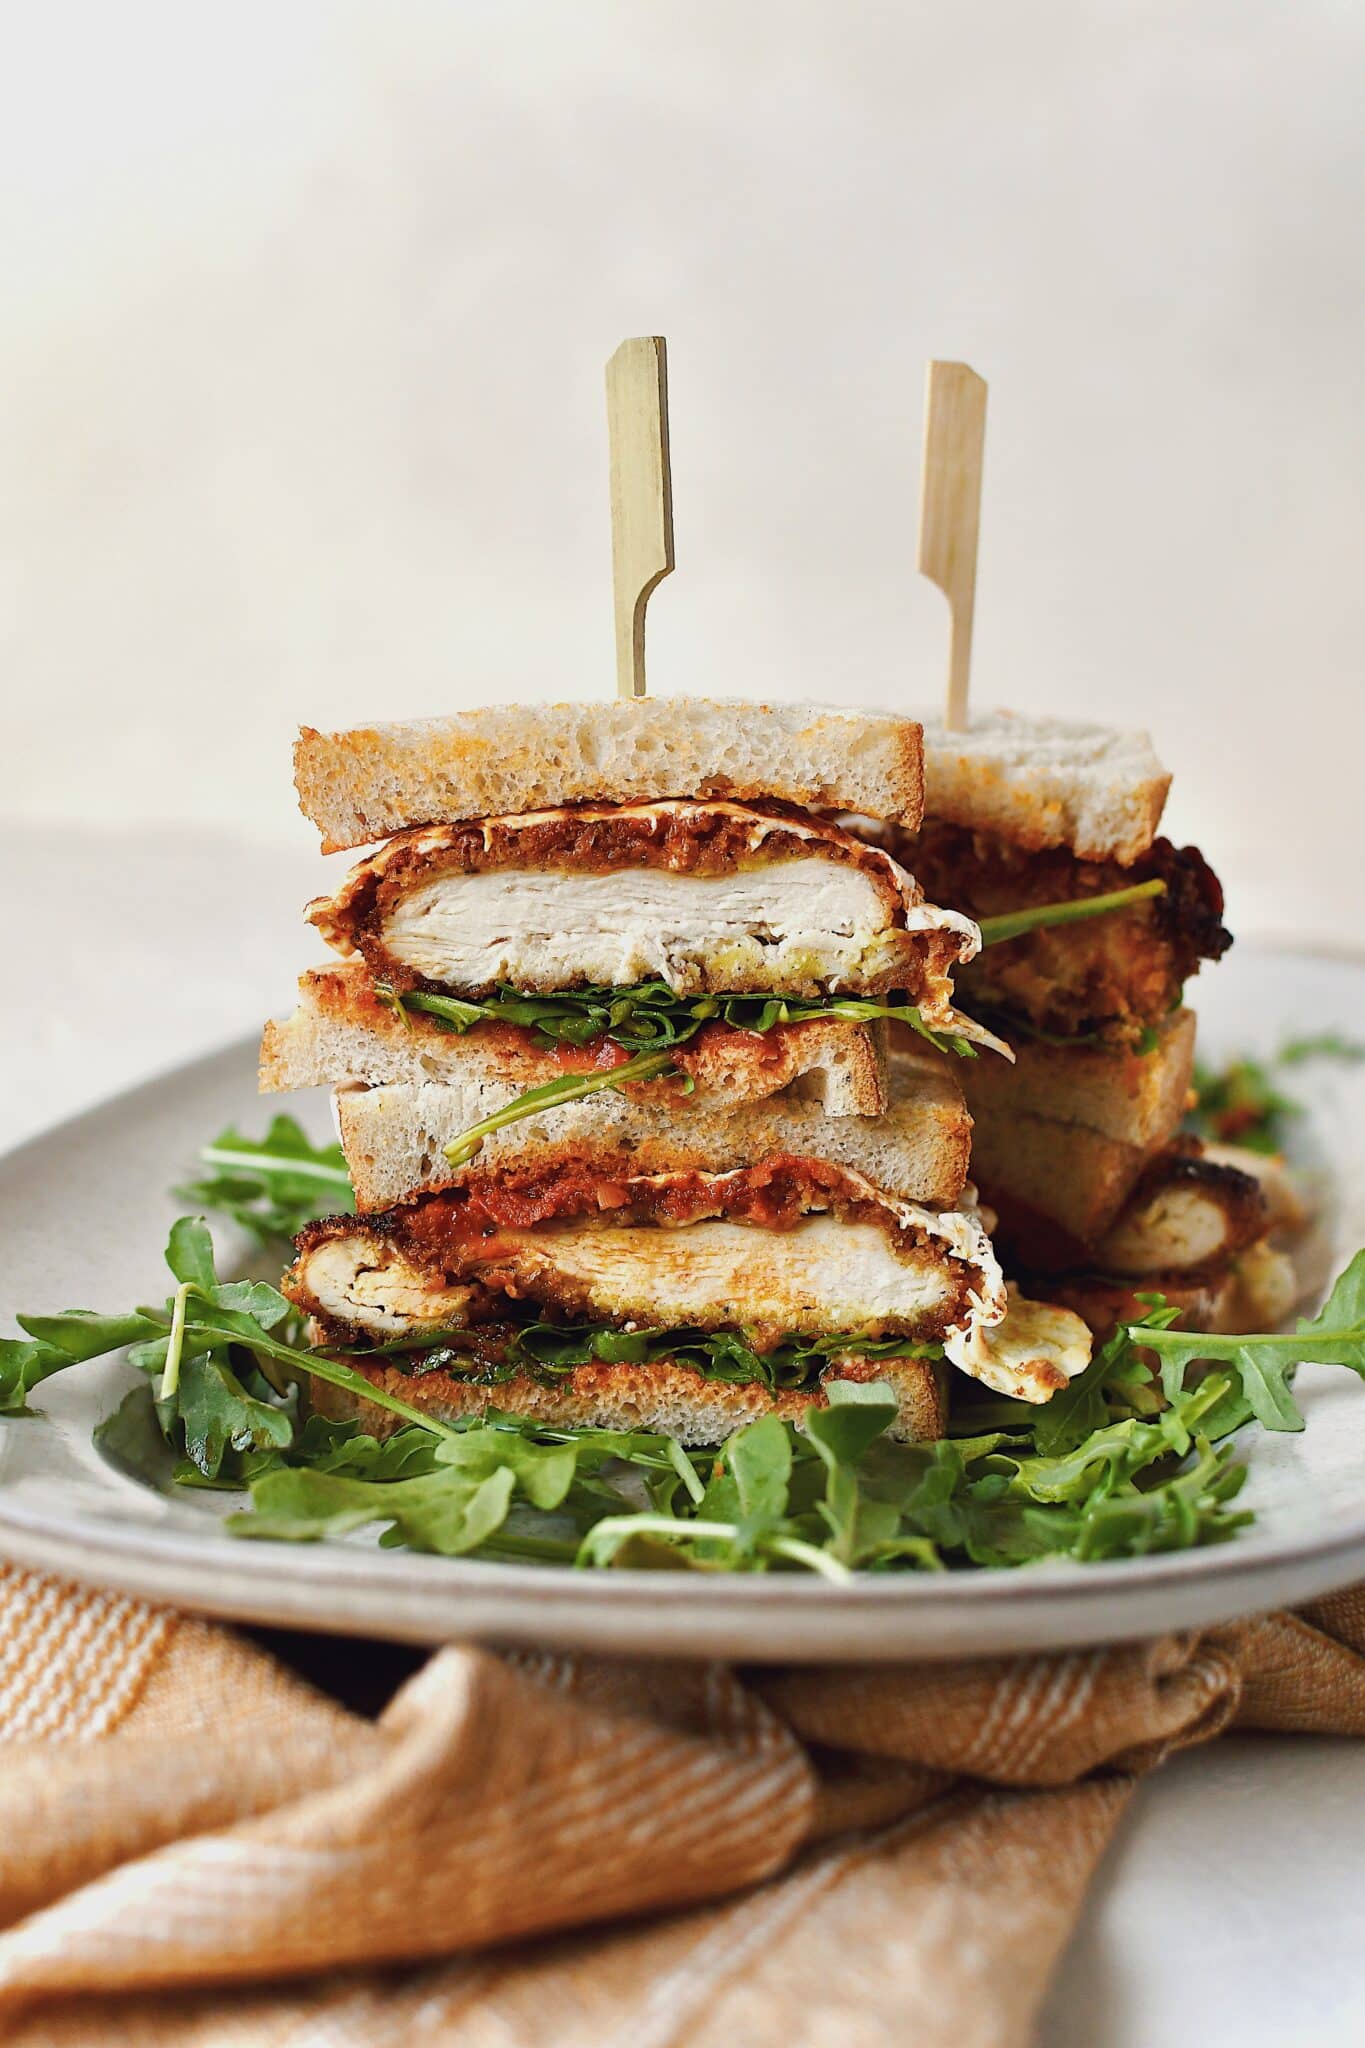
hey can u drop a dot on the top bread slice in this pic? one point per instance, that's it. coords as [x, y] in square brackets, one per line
[1047, 782]
[367, 784]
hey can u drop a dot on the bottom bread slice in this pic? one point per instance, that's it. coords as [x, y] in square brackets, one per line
[670, 1399]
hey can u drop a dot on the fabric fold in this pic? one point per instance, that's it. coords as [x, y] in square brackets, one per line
[197, 1846]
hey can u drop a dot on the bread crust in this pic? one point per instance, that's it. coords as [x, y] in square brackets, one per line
[1055, 1188]
[662, 1396]
[365, 784]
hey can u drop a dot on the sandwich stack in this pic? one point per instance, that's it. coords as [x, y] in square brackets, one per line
[608, 1038]
[1077, 1144]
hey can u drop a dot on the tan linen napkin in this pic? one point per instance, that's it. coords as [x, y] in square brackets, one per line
[197, 1847]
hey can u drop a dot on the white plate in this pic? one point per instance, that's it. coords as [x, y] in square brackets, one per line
[83, 1217]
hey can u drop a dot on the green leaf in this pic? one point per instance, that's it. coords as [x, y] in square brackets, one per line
[445, 1511]
[1081, 1407]
[80, 1333]
[1265, 1364]
[22, 1368]
[649, 1017]
[189, 1254]
[751, 1477]
[858, 1413]
[218, 1413]
[271, 1186]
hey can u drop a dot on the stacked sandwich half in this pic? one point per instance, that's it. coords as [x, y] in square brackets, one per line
[1077, 1145]
[609, 1046]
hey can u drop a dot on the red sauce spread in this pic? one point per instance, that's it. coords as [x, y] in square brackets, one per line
[773, 1195]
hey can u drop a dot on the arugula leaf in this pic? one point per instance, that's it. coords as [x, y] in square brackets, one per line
[1264, 1365]
[1321, 1045]
[443, 1511]
[457, 1504]
[545, 1351]
[649, 1017]
[1080, 1408]
[217, 1412]
[271, 1186]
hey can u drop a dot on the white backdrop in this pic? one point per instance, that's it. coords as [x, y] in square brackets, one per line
[301, 407]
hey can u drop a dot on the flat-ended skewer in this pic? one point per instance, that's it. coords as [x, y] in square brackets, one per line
[641, 495]
[950, 512]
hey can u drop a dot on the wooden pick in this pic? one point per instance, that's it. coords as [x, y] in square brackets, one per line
[950, 511]
[641, 495]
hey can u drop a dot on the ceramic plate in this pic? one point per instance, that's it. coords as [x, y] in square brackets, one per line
[83, 1216]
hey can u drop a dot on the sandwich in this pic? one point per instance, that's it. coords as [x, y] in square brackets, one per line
[1046, 835]
[612, 1271]
[728, 942]
[608, 1045]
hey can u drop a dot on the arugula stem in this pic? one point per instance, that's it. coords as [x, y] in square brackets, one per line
[1011, 923]
[807, 1554]
[272, 1162]
[170, 1371]
[338, 1375]
[614, 1527]
[568, 1088]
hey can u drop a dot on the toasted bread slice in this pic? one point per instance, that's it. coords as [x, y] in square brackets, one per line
[672, 1399]
[395, 1137]
[365, 784]
[1047, 782]
[1055, 1188]
[342, 1036]
[1137, 1099]
[1184, 1214]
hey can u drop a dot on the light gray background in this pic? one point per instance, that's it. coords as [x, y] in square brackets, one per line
[301, 369]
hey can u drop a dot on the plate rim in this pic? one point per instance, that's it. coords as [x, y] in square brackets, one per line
[1233, 1571]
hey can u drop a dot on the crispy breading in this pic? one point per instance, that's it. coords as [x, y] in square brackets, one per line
[580, 1241]
[1118, 975]
[906, 944]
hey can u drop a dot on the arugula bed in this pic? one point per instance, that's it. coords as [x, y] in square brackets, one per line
[1137, 1455]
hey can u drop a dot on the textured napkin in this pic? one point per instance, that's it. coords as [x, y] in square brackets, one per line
[199, 1847]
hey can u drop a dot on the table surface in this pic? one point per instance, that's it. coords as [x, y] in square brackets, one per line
[1227, 1911]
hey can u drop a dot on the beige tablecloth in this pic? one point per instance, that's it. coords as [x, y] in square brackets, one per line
[199, 1847]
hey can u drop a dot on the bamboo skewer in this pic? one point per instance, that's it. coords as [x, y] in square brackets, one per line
[641, 495]
[950, 512]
